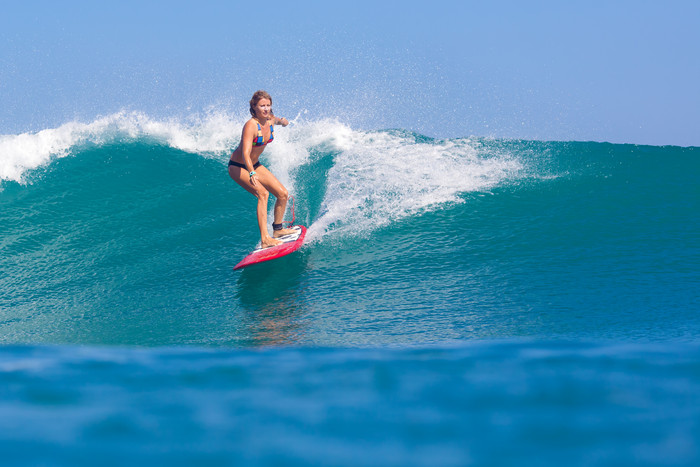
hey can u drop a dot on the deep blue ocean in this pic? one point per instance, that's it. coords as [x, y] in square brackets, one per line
[465, 301]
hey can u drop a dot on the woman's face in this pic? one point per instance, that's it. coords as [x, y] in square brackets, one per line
[263, 108]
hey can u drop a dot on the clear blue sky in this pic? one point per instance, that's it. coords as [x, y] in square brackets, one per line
[619, 71]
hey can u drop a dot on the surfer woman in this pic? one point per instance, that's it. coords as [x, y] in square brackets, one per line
[245, 169]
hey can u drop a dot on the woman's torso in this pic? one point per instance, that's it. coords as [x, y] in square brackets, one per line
[263, 135]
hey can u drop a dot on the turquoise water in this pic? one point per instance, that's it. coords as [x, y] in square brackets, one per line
[454, 297]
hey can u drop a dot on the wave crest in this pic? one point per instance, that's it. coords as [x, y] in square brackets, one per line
[376, 177]
[211, 134]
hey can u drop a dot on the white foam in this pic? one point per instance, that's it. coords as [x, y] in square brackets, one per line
[20, 153]
[380, 177]
[208, 135]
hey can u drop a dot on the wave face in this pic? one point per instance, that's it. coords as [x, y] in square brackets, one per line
[125, 231]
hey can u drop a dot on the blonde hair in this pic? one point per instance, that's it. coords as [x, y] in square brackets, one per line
[257, 97]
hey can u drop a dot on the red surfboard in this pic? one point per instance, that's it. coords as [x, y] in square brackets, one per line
[291, 243]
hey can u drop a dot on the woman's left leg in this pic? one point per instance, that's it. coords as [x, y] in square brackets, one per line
[281, 195]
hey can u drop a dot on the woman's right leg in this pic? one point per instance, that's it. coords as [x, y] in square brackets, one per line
[242, 177]
[270, 182]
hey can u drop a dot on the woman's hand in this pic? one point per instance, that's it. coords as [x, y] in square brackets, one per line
[283, 121]
[253, 178]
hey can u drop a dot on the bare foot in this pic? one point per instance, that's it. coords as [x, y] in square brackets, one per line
[283, 232]
[269, 241]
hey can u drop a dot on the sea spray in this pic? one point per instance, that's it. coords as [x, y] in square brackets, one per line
[381, 177]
